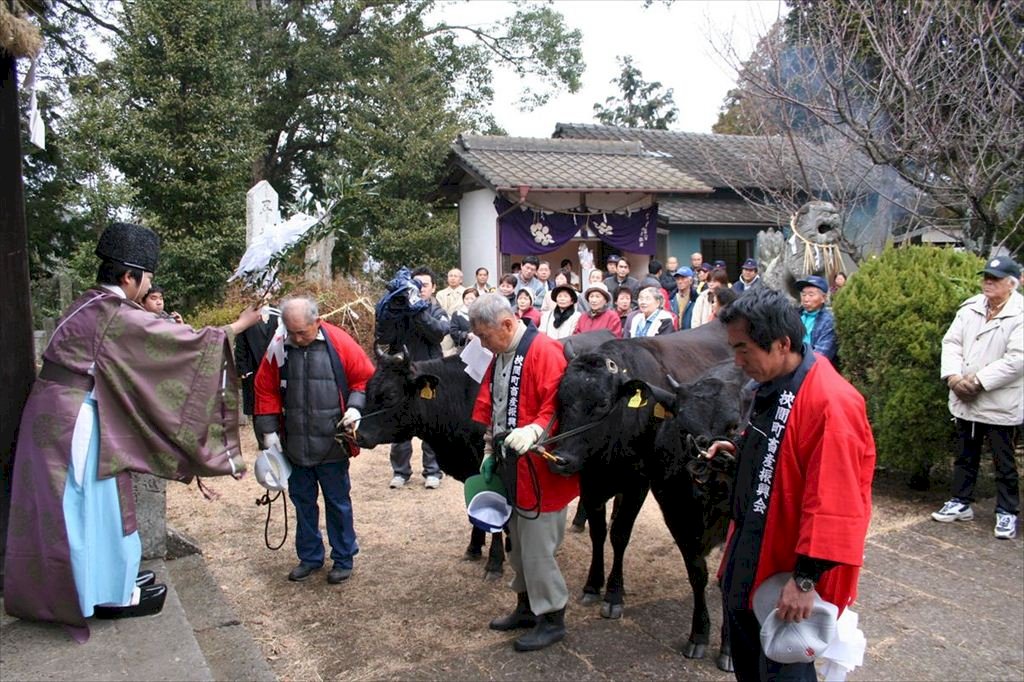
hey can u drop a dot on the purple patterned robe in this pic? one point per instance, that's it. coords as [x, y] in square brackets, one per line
[167, 397]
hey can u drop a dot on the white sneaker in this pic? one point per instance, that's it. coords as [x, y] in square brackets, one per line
[954, 510]
[1006, 526]
[397, 482]
[432, 482]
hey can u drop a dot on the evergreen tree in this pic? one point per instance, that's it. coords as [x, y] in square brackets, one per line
[201, 100]
[890, 320]
[640, 104]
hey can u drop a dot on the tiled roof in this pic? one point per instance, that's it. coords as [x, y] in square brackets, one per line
[718, 160]
[715, 210]
[570, 164]
[756, 162]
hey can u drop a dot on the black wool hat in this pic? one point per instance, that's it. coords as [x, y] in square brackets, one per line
[132, 245]
[567, 289]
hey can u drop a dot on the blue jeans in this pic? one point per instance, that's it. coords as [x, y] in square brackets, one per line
[341, 532]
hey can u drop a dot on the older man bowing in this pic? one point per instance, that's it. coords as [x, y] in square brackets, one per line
[802, 496]
[311, 378]
[516, 404]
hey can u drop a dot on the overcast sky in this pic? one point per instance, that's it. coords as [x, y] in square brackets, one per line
[668, 44]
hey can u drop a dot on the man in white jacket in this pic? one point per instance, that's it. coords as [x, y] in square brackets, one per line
[983, 364]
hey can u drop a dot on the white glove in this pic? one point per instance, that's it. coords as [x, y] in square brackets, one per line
[271, 441]
[350, 418]
[523, 438]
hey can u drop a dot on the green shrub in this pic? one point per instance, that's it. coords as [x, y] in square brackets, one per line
[221, 312]
[890, 320]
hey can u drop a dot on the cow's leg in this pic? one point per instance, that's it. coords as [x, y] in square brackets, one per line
[598, 532]
[495, 557]
[700, 625]
[684, 517]
[626, 509]
[476, 543]
[579, 521]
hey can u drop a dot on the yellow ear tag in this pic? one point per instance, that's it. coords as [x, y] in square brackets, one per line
[637, 400]
[427, 393]
[659, 411]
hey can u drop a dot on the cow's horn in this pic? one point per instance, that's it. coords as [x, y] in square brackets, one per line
[379, 350]
[610, 364]
[672, 382]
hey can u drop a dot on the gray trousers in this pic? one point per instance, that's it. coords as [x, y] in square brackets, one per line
[534, 544]
[401, 460]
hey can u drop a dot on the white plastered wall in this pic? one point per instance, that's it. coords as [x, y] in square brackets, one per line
[478, 233]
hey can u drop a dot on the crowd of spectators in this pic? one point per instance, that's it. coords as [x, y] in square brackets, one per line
[667, 298]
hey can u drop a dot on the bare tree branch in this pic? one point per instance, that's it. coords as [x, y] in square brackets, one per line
[932, 89]
[88, 13]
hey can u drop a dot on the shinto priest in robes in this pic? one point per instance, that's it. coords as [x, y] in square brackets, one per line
[120, 391]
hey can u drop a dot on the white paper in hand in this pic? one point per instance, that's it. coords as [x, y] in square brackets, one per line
[477, 359]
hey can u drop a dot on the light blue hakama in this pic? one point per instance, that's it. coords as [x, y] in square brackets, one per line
[104, 561]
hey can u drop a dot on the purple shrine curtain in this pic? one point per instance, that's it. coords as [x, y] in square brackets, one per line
[530, 231]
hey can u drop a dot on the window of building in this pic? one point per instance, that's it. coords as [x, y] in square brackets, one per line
[732, 251]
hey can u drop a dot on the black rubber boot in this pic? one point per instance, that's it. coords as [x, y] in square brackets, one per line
[521, 617]
[550, 629]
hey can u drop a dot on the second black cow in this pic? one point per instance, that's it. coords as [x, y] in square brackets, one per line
[603, 395]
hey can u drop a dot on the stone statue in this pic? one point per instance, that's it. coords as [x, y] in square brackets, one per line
[813, 249]
[769, 245]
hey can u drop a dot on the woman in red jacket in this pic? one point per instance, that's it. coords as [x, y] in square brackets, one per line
[600, 315]
[524, 307]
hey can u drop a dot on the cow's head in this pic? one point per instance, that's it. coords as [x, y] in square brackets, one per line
[393, 400]
[598, 392]
[707, 409]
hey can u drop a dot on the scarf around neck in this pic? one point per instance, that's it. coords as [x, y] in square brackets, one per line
[560, 315]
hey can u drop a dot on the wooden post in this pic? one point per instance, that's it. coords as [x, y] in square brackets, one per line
[17, 368]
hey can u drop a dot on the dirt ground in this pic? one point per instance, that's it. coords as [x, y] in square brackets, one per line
[413, 604]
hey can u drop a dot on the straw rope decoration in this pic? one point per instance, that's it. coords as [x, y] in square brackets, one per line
[818, 257]
[18, 36]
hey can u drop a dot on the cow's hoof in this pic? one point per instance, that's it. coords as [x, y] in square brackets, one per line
[694, 650]
[590, 599]
[724, 662]
[578, 527]
[491, 576]
[470, 555]
[612, 611]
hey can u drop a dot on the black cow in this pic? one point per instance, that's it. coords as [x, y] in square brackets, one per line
[693, 492]
[597, 392]
[432, 400]
[397, 409]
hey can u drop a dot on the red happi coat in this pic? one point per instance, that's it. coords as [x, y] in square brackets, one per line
[821, 495]
[542, 372]
[358, 370]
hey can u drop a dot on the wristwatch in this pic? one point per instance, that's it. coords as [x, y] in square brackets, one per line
[803, 583]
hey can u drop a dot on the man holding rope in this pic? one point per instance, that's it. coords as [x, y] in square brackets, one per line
[516, 403]
[312, 377]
